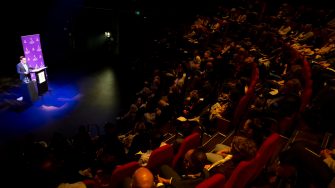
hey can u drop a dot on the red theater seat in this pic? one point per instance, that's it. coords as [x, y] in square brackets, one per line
[247, 171]
[190, 142]
[123, 171]
[160, 156]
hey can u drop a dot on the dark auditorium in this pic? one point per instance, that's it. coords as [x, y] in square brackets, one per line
[168, 94]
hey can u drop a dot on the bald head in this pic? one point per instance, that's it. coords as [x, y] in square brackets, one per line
[188, 154]
[142, 178]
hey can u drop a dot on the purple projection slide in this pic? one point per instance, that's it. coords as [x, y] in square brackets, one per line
[33, 52]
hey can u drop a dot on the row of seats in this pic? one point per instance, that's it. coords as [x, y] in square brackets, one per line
[160, 156]
[308, 89]
[242, 106]
[286, 124]
[247, 171]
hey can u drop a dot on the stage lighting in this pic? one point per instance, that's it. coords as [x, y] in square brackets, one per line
[107, 34]
[137, 12]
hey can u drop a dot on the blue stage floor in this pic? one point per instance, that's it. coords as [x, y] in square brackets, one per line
[73, 100]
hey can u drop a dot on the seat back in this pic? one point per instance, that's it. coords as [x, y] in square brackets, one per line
[269, 148]
[192, 141]
[123, 171]
[247, 171]
[215, 181]
[254, 78]
[307, 70]
[306, 97]
[241, 109]
[160, 156]
[241, 175]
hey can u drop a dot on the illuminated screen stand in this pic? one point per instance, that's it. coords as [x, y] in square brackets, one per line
[32, 49]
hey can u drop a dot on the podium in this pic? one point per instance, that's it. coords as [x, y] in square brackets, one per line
[29, 92]
[41, 80]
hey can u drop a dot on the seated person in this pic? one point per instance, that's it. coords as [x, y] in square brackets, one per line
[257, 129]
[140, 142]
[156, 141]
[282, 104]
[327, 156]
[225, 158]
[302, 166]
[191, 174]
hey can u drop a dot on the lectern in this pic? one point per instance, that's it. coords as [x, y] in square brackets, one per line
[29, 92]
[41, 80]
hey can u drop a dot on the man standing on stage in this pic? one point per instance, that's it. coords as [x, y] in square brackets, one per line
[23, 69]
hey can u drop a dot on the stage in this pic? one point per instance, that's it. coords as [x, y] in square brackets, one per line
[89, 98]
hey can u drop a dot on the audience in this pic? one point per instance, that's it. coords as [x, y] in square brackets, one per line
[218, 59]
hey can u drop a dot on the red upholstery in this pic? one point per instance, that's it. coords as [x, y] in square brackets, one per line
[308, 89]
[240, 110]
[305, 98]
[242, 106]
[160, 156]
[241, 176]
[307, 70]
[190, 142]
[254, 78]
[269, 148]
[90, 183]
[247, 171]
[215, 181]
[123, 171]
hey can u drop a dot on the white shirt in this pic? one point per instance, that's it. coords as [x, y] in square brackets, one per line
[26, 79]
[25, 67]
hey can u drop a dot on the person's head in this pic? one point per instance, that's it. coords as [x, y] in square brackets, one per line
[187, 158]
[23, 59]
[243, 148]
[292, 86]
[286, 166]
[140, 127]
[195, 160]
[254, 125]
[142, 178]
[133, 108]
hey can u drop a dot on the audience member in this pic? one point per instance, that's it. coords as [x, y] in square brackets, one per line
[302, 166]
[141, 178]
[225, 158]
[191, 174]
